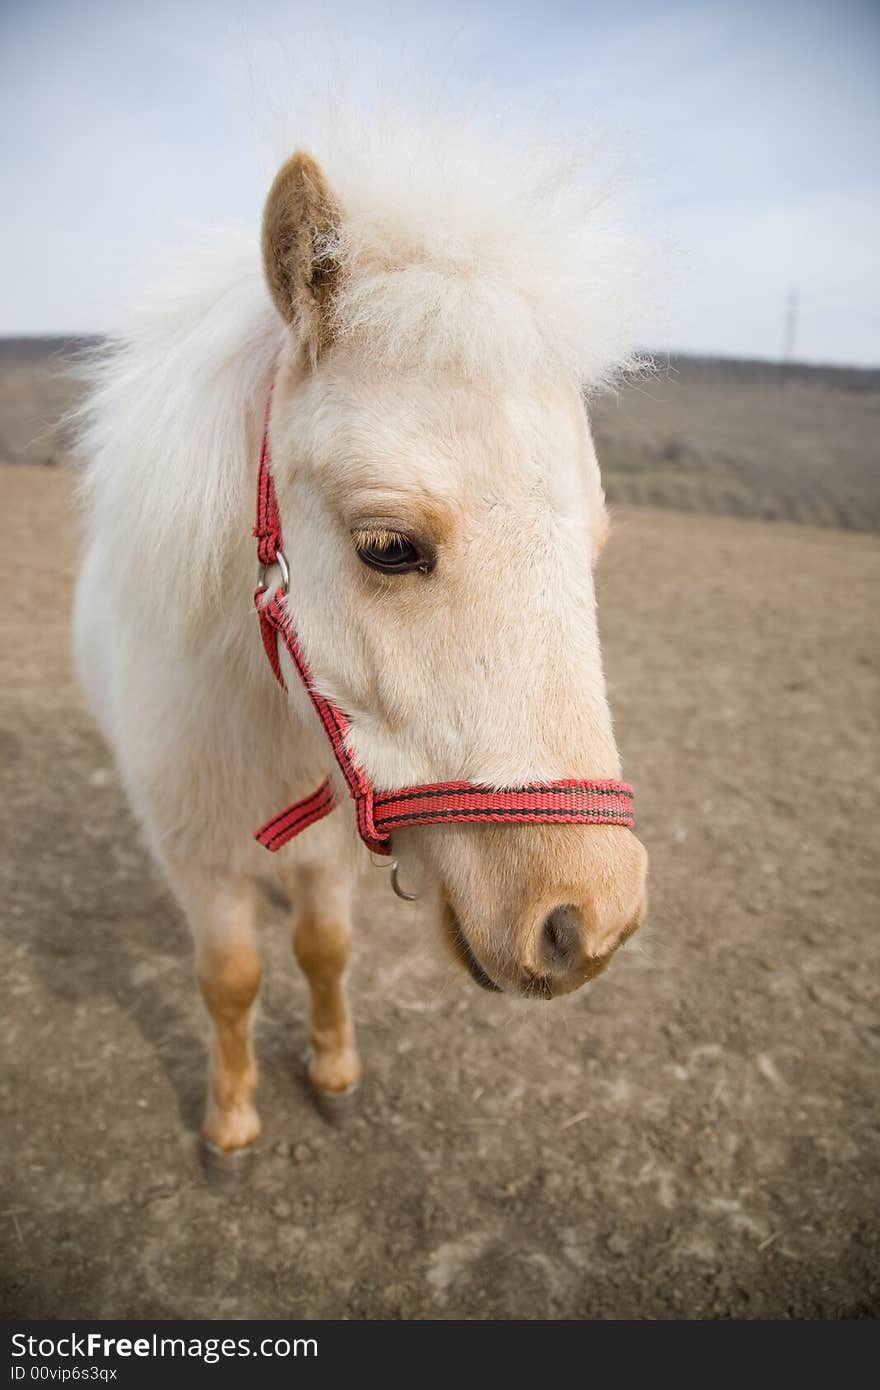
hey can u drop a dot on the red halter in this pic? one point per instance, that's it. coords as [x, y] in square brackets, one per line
[379, 813]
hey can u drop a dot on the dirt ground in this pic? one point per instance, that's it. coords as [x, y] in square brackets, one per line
[693, 1135]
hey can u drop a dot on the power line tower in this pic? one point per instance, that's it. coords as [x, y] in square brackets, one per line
[790, 329]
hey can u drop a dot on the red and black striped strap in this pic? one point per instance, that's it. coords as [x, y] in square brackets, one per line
[297, 818]
[380, 813]
[561, 803]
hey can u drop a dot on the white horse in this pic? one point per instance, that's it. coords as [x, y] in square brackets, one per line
[429, 333]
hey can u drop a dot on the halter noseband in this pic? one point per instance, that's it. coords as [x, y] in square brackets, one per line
[380, 813]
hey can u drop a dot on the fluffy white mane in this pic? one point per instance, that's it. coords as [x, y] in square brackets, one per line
[489, 259]
[455, 254]
[167, 427]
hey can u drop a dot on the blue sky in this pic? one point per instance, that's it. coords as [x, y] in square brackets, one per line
[749, 133]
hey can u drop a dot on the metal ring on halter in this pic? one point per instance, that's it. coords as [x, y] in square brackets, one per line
[281, 561]
[395, 884]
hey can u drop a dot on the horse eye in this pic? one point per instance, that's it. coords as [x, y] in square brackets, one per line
[391, 552]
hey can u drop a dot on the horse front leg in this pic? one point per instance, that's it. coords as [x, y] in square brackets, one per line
[221, 910]
[322, 945]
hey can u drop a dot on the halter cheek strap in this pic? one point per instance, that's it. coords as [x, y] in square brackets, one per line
[380, 813]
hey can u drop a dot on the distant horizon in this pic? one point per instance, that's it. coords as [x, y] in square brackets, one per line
[655, 354]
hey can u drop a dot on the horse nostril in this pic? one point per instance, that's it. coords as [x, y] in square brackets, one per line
[561, 939]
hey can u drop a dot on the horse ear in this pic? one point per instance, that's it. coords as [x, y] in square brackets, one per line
[300, 249]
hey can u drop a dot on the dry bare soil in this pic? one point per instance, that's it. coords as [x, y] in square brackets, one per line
[694, 1135]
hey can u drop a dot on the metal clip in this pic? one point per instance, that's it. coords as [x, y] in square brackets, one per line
[395, 884]
[281, 562]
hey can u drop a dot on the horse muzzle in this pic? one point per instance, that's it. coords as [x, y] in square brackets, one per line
[548, 943]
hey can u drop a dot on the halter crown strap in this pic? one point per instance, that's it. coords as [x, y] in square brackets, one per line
[379, 813]
[267, 529]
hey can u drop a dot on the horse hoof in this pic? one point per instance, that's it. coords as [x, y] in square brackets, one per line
[333, 1104]
[225, 1169]
[335, 1107]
